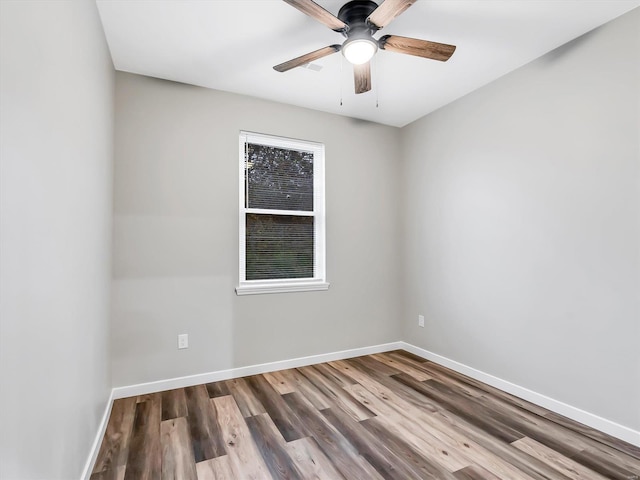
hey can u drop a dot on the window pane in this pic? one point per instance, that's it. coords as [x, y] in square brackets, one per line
[279, 246]
[278, 178]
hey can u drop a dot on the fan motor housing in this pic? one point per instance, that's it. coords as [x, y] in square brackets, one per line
[355, 14]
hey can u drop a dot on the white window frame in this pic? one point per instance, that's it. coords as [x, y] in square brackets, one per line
[319, 281]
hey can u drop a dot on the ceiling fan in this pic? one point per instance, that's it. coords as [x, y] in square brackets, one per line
[358, 21]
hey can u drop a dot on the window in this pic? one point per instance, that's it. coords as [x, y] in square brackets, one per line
[282, 222]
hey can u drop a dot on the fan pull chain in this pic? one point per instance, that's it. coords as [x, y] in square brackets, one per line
[377, 77]
[341, 76]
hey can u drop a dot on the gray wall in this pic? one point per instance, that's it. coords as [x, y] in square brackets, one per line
[56, 151]
[522, 225]
[176, 235]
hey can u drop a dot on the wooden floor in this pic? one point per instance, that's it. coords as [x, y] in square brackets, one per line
[391, 415]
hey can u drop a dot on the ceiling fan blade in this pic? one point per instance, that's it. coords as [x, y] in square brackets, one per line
[307, 58]
[387, 11]
[362, 77]
[315, 11]
[419, 48]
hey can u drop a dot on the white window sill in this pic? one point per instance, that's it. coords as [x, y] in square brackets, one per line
[257, 289]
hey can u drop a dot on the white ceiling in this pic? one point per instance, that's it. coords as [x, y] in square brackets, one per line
[232, 45]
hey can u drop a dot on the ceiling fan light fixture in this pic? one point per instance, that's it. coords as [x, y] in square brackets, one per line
[358, 21]
[359, 50]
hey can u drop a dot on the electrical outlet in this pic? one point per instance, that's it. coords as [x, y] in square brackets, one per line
[421, 321]
[183, 340]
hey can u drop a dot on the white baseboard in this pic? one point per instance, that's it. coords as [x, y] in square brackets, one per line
[594, 421]
[607, 426]
[188, 381]
[95, 447]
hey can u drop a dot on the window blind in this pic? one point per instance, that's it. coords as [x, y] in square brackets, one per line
[278, 178]
[282, 224]
[279, 246]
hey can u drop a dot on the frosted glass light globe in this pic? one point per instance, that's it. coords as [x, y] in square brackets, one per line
[359, 50]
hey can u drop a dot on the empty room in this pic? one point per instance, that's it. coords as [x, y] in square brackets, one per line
[328, 239]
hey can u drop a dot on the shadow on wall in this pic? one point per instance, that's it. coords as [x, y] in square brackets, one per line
[566, 49]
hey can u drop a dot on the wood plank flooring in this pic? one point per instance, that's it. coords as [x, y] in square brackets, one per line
[386, 416]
